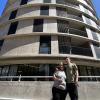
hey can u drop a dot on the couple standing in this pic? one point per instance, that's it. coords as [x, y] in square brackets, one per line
[65, 81]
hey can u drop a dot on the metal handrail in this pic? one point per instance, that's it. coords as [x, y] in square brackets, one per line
[48, 77]
[76, 50]
[78, 30]
[66, 3]
[74, 16]
[75, 31]
[44, 76]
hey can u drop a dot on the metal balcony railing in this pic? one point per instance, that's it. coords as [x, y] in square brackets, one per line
[64, 49]
[67, 3]
[81, 51]
[45, 78]
[64, 14]
[74, 17]
[77, 32]
[69, 30]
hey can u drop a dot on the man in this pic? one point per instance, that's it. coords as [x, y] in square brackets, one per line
[71, 71]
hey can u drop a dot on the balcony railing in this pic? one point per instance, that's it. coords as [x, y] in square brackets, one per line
[64, 49]
[66, 3]
[45, 78]
[77, 32]
[69, 30]
[64, 14]
[74, 17]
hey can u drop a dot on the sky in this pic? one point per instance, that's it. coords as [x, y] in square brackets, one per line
[2, 5]
[95, 2]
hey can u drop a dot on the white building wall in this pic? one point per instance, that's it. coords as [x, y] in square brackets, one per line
[54, 45]
[52, 11]
[14, 5]
[4, 30]
[50, 26]
[53, 1]
[5, 18]
[83, 9]
[93, 23]
[25, 27]
[28, 12]
[26, 46]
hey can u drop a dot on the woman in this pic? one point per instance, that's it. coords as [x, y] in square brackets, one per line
[59, 85]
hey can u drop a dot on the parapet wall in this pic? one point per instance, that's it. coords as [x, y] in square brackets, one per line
[43, 90]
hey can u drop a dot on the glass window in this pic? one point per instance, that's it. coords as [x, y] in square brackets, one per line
[62, 26]
[97, 49]
[38, 25]
[13, 14]
[5, 70]
[13, 70]
[1, 43]
[64, 45]
[13, 27]
[45, 45]
[88, 20]
[23, 2]
[94, 34]
[47, 1]
[60, 1]
[1, 70]
[44, 10]
[61, 11]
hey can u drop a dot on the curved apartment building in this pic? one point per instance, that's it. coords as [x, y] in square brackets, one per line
[36, 35]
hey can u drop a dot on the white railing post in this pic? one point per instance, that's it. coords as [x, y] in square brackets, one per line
[19, 78]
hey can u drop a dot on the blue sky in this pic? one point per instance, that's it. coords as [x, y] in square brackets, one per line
[95, 2]
[2, 5]
[97, 6]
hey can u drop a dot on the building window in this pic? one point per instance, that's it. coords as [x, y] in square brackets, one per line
[13, 14]
[97, 49]
[13, 27]
[44, 70]
[88, 71]
[38, 25]
[44, 10]
[27, 70]
[60, 1]
[64, 45]
[45, 45]
[23, 2]
[47, 1]
[68, 46]
[1, 43]
[94, 34]
[88, 20]
[62, 26]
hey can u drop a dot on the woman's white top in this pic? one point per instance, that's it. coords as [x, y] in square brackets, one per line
[60, 83]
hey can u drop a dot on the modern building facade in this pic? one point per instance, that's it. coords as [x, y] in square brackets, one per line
[36, 35]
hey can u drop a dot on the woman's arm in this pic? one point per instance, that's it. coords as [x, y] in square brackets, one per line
[55, 77]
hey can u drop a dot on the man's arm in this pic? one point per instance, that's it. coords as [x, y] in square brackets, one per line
[76, 74]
